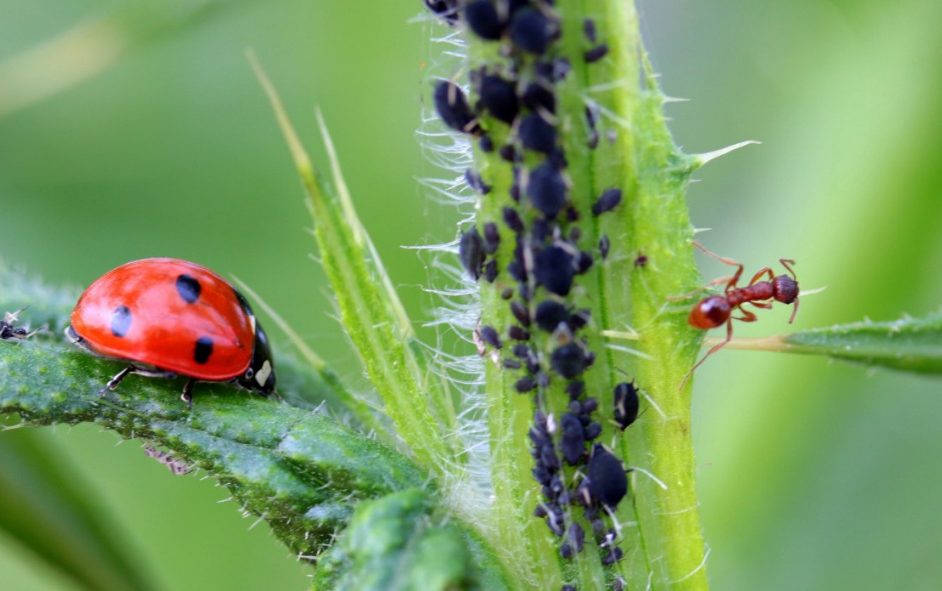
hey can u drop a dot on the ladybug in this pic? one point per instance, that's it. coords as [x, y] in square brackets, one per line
[171, 317]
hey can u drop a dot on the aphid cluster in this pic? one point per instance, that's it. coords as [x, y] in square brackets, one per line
[512, 108]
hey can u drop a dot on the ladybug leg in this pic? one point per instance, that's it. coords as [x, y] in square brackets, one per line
[113, 382]
[187, 395]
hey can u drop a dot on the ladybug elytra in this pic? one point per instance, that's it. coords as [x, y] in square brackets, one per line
[171, 317]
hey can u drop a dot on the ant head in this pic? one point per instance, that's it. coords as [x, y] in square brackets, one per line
[785, 289]
[710, 312]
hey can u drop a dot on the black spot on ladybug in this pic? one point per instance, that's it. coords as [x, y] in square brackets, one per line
[568, 360]
[188, 288]
[607, 202]
[500, 98]
[204, 348]
[531, 31]
[120, 321]
[471, 252]
[604, 246]
[547, 189]
[553, 269]
[549, 314]
[608, 483]
[626, 404]
[482, 18]
[536, 96]
[537, 134]
[596, 53]
[452, 107]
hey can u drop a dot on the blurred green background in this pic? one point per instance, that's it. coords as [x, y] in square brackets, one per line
[813, 475]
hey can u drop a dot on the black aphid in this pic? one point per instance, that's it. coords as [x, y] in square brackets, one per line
[471, 252]
[579, 319]
[612, 556]
[507, 293]
[486, 144]
[511, 364]
[575, 389]
[542, 379]
[583, 262]
[518, 333]
[577, 536]
[489, 335]
[446, 9]
[531, 31]
[521, 313]
[521, 351]
[517, 271]
[568, 588]
[490, 271]
[452, 107]
[475, 182]
[547, 189]
[552, 267]
[491, 237]
[482, 18]
[607, 202]
[608, 483]
[566, 551]
[604, 246]
[513, 220]
[524, 385]
[536, 133]
[568, 361]
[596, 53]
[549, 314]
[537, 96]
[572, 442]
[590, 405]
[626, 404]
[500, 98]
[508, 153]
[588, 27]
[593, 431]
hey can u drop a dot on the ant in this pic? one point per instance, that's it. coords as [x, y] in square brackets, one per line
[714, 311]
[9, 330]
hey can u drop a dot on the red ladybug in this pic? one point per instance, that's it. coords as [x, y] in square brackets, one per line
[169, 317]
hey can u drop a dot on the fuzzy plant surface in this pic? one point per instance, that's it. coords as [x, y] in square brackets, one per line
[555, 452]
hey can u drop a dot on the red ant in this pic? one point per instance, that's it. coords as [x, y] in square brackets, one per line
[716, 310]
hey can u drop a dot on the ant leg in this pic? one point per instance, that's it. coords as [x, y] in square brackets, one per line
[117, 379]
[747, 316]
[714, 349]
[687, 296]
[187, 395]
[762, 272]
[787, 263]
[763, 305]
[792, 319]
[739, 266]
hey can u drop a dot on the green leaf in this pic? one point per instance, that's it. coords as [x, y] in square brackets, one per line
[48, 508]
[394, 544]
[910, 344]
[299, 470]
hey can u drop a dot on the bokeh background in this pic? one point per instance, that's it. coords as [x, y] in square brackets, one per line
[813, 475]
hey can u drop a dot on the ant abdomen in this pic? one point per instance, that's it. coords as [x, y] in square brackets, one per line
[710, 313]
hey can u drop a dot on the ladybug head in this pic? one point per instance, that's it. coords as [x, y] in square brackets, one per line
[260, 376]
